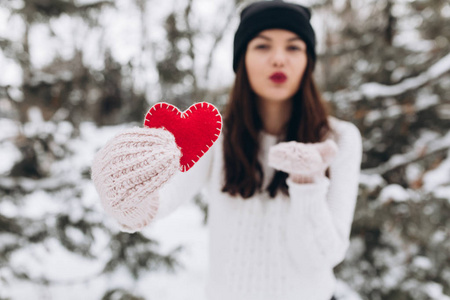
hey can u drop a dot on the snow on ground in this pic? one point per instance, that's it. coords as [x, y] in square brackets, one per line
[183, 227]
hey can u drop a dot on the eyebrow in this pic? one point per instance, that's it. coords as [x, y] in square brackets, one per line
[269, 39]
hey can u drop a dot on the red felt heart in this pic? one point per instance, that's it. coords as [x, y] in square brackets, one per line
[195, 129]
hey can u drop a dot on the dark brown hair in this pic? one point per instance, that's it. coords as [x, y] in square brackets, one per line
[242, 125]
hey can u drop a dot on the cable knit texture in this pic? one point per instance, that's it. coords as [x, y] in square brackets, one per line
[265, 248]
[128, 171]
[305, 163]
[260, 248]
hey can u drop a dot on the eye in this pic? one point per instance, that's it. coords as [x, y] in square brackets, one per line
[262, 46]
[295, 48]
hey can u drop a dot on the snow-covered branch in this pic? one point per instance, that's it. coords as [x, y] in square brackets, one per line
[372, 90]
[28, 185]
[400, 160]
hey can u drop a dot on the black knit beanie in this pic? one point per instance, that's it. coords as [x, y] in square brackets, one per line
[264, 15]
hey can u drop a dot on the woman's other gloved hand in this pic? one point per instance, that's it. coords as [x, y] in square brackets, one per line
[305, 163]
[128, 171]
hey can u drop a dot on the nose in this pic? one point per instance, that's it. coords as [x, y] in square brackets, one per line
[278, 57]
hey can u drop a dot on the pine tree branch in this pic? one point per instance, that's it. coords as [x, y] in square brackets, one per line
[46, 281]
[374, 90]
[27, 185]
[401, 160]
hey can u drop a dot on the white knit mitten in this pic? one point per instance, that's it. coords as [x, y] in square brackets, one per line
[305, 163]
[128, 171]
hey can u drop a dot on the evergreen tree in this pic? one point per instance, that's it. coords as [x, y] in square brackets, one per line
[386, 68]
[383, 65]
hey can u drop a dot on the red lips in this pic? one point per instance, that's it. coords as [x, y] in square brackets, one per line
[278, 77]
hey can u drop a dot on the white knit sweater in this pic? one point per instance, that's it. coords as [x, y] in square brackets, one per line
[281, 248]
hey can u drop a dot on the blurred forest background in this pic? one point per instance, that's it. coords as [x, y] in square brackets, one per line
[75, 72]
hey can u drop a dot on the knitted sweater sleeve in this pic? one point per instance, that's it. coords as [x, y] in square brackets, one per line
[321, 213]
[184, 186]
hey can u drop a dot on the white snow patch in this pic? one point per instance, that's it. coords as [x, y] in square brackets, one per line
[393, 277]
[345, 292]
[37, 204]
[442, 192]
[51, 260]
[4, 14]
[412, 41]
[439, 237]
[413, 172]
[435, 291]
[426, 137]
[445, 11]
[423, 101]
[422, 262]
[8, 209]
[63, 132]
[63, 28]
[394, 192]
[7, 239]
[11, 73]
[34, 114]
[437, 177]
[398, 159]
[356, 249]
[394, 111]
[37, 127]
[10, 155]
[40, 35]
[371, 181]
[372, 116]
[15, 28]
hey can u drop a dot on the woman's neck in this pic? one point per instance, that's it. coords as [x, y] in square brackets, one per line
[274, 115]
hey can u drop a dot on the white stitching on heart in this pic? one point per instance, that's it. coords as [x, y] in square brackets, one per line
[186, 114]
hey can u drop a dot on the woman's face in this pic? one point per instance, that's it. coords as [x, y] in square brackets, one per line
[275, 61]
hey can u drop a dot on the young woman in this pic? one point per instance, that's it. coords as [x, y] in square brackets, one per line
[281, 180]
